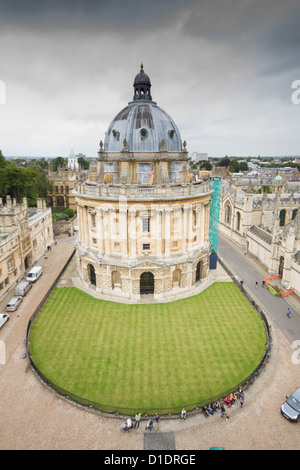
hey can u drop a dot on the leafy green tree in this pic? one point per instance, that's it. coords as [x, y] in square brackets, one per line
[42, 162]
[234, 166]
[3, 162]
[4, 183]
[18, 183]
[243, 166]
[59, 161]
[206, 165]
[83, 163]
[224, 162]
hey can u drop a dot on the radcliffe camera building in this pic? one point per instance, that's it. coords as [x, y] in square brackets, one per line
[143, 219]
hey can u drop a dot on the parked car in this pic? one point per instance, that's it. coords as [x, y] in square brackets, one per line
[14, 303]
[34, 274]
[291, 407]
[4, 317]
[22, 288]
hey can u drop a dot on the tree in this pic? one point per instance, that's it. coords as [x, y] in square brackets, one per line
[4, 183]
[18, 183]
[83, 163]
[206, 165]
[243, 166]
[224, 162]
[234, 166]
[59, 161]
[3, 162]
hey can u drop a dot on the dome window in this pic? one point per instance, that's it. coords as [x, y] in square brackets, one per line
[143, 133]
[171, 133]
[116, 134]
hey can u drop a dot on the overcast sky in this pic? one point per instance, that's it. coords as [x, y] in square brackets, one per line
[222, 69]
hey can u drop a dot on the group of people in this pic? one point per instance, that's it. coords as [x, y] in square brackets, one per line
[153, 423]
[208, 410]
[229, 401]
[128, 424]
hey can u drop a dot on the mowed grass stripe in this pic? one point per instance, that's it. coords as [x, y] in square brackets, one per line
[147, 355]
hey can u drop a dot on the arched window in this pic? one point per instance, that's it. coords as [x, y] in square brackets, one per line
[227, 214]
[282, 215]
[92, 274]
[294, 213]
[238, 221]
[116, 279]
[176, 278]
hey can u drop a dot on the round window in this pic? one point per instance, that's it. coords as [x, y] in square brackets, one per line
[144, 133]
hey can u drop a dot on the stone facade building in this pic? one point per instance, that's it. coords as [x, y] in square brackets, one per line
[143, 219]
[265, 225]
[25, 234]
[63, 181]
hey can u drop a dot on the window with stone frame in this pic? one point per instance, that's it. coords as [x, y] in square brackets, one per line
[146, 223]
[93, 220]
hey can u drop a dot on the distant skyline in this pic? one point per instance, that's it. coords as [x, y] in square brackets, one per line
[226, 71]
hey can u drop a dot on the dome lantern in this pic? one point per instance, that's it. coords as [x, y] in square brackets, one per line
[142, 86]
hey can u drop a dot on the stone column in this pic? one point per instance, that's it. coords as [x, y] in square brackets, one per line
[206, 218]
[202, 224]
[190, 228]
[132, 235]
[167, 230]
[123, 231]
[184, 225]
[85, 225]
[100, 231]
[158, 232]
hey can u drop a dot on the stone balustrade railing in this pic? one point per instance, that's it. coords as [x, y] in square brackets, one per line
[167, 191]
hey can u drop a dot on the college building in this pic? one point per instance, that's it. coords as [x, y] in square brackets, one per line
[25, 234]
[143, 218]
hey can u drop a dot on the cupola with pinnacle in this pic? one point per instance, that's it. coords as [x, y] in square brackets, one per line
[142, 86]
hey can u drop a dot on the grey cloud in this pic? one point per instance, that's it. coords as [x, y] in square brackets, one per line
[69, 69]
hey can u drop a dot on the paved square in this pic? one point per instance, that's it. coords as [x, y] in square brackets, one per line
[159, 441]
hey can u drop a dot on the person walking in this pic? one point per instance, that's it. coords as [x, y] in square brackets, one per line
[157, 420]
[137, 420]
[288, 313]
[242, 399]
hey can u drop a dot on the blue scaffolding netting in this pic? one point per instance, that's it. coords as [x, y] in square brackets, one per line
[214, 213]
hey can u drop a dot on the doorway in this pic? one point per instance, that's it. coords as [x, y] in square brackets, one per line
[92, 274]
[281, 264]
[146, 283]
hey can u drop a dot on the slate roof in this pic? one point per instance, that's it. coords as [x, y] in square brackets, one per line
[261, 233]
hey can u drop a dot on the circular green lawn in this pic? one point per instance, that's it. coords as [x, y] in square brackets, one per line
[147, 356]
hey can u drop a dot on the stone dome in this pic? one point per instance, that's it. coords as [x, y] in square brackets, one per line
[143, 124]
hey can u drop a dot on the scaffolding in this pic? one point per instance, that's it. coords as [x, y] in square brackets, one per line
[214, 214]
